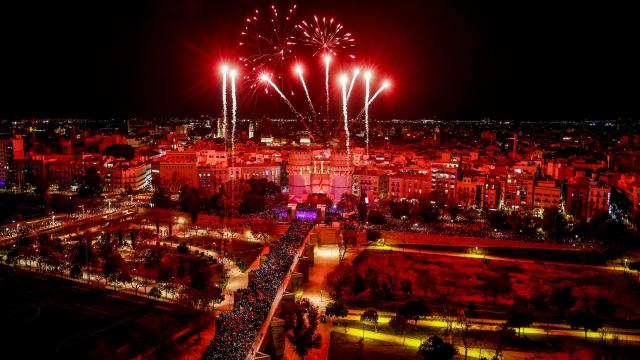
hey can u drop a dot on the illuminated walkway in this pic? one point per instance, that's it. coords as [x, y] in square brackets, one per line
[491, 324]
[491, 257]
[473, 352]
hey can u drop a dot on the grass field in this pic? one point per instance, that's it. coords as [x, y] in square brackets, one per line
[462, 278]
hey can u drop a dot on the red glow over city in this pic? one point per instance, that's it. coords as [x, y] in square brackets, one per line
[401, 180]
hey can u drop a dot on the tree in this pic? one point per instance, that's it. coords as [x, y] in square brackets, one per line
[189, 200]
[501, 336]
[635, 265]
[136, 284]
[370, 317]
[377, 217]
[462, 329]
[519, 319]
[120, 236]
[406, 286]
[349, 237]
[113, 265]
[358, 285]
[562, 299]
[554, 223]
[75, 271]
[434, 348]
[604, 308]
[336, 310]
[303, 335]
[83, 253]
[540, 302]
[399, 209]
[585, 320]
[155, 292]
[497, 219]
[454, 210]
[471, 311]
[161, 199]
[133, 239]
[373, 236]
[362, 208]
[399, 324]
[338, 279]
[425, 281]
[119, 151]
[496, 285]
[414, 310]
[91, 187]
[425, 211]
[182, 248]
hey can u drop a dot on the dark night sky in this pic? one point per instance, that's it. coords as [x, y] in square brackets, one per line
[448, 59]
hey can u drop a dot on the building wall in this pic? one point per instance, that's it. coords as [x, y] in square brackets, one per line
[547, 194]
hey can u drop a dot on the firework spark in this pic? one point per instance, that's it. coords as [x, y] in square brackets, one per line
[367, 81]
[384, 85]
[325, 36]
[224, 69]
[306, 91]
[356, 71]
[327, 62]
[266, 42]
[266, 78]
[234, 108]
[343, 83]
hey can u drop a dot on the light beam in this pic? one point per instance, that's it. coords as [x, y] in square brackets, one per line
[367, 81]
[356, 71]
[327, 61]
[267, 79]
[234, 108]
[224, 69]
[306, 91]
[343, 82]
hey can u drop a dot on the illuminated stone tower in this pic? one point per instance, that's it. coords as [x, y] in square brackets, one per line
[320, 174]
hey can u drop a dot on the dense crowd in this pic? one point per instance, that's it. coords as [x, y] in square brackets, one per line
[237, 330]
[26, 229]
[455, 229]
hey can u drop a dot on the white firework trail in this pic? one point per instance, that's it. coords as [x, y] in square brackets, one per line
[283, 96]
[234, 109]
[343, 82]
[367, 80]
[382, 87]
[306, 91]
[224, 102]
[327, 61]
[356, 71]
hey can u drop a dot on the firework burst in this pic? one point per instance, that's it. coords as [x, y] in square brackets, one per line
[266, 41]
[325, 36]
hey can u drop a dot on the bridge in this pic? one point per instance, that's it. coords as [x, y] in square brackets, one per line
[252, 330]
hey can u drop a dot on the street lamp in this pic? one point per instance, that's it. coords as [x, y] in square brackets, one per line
[404, 233]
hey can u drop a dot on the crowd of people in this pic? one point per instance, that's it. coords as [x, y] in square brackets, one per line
[237, 330]
[26, 229]
[455, 229]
